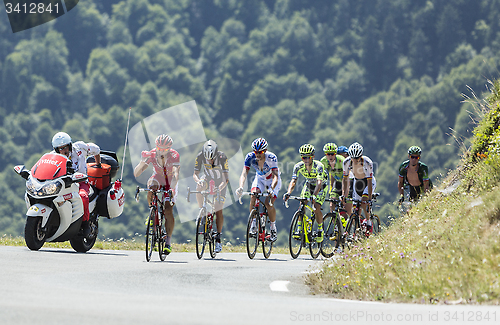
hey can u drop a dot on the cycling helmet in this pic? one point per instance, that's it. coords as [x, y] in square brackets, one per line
[330, 148]
[259, 144]
[61, 139]
[355, 150]
[210, 149]
[342, 149]
[414, 150]
[306, 150]
[163, 141]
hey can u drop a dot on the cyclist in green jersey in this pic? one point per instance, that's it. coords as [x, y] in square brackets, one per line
[315, 184]
[414, 173]
[333, 166]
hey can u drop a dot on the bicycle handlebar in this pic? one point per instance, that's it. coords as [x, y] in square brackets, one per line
[169, 192]
[256, 194]
[299, 198]
[206, 192]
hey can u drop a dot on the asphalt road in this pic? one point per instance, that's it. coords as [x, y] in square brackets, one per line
[58, 286]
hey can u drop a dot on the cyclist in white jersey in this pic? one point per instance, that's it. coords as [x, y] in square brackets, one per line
[267, 178]
[364, 183]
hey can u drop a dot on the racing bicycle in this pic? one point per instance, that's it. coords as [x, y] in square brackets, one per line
[205, 228]
[258, 226]
[155, 229]
[303, 229]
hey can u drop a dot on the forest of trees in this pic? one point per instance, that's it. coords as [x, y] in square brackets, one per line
[386, 73]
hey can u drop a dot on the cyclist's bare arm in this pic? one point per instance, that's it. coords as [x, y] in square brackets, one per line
[196, 176]
[223, 184]
[345, 186]
[401, 189]
[426, 186]
[140, 168]
[175, 175]
[370, 188]
[243, 176]
[274, 171]
[318, 186]
[291, 186]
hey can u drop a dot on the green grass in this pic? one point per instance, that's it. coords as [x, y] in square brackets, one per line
[445, 250]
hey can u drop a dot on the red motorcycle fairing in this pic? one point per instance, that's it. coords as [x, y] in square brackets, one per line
[50, 166]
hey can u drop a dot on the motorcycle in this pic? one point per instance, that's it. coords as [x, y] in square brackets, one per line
[55, 209]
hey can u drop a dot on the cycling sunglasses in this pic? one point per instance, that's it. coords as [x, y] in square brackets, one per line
[415, 157]
[330, 153]
[306, 157]
[259, 152]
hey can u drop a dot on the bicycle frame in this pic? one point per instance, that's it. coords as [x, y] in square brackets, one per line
[307, 223]
[157, 232]
[262, 236]
[209, 232]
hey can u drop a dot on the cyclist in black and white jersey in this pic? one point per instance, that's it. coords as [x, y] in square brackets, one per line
[215, 167]
[364, 183]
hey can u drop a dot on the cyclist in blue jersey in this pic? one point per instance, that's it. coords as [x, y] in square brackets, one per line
[267, 178]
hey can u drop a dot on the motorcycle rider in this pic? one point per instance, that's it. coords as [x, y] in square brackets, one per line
[77, 153]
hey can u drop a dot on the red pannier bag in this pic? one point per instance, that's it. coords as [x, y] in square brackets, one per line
[99, 177]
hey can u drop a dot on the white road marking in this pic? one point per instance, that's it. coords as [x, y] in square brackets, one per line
[279, 286]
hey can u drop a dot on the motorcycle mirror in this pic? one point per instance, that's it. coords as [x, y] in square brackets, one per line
[22, 171]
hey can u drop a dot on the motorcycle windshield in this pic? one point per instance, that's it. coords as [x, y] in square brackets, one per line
[50, 166]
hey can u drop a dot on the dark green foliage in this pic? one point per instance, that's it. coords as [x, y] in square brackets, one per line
[388, 74]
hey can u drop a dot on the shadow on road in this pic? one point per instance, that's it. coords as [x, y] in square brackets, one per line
[64, 251]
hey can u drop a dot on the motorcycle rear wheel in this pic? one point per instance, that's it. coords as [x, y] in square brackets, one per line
[83, 244]
[34, 236]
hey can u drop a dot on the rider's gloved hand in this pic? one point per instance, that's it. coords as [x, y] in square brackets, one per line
[239, 191]
[286, 196]
[270, 192]
[402, 199]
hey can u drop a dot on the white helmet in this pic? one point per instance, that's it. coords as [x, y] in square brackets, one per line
[60, 139]
[355, 150]
[210, 149]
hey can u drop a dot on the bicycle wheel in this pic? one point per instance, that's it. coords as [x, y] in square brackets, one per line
[211, 236]
[252, 234]
[201, 222]
[296, 236]
[150, 234]
[267, 244]
[332, 228]
[352, 230]
[160, 232]
[314, 246]
[376, 224]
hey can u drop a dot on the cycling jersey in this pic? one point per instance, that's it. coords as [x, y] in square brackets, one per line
[162, 174]
[423, 175]
[80, 152]
[271, 162]
[316, 173]
[334, 173]
[367, 167]
[213, 171]
[359, 186]
[264, 178]
[423, 171]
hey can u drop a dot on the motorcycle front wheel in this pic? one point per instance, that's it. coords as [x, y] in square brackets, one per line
[34, 236]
